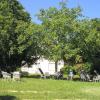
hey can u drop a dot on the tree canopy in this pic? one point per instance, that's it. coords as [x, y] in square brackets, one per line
[17, 33]
[64, 34]
[69, 36]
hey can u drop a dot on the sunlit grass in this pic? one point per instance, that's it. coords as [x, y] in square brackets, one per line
[39, 89]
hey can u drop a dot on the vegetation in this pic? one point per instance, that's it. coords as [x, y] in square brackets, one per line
[64, 34]
[70, 37]
[17, 35]
[13, 23]
[36, 89]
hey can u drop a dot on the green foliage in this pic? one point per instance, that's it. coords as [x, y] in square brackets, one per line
[64, 34]
[67, 68]
[17, 34]
[87, 66]
[69, 36]
[58, 25]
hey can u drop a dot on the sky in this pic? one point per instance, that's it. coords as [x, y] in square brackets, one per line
[91, 8]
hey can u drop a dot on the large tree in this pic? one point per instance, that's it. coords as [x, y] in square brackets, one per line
[16, 33]
[58, 31]
[69, 36]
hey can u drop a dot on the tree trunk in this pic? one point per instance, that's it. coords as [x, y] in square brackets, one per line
[4, 60]
[56, 66]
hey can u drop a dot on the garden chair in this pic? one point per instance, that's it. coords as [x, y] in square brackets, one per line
[6, 75]
[16, 75]
[47, 74]
[88, 77]
[84, 76]
[44, 75]
[58, 75]
[96, 78]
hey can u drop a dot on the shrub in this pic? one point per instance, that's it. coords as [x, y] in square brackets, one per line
[24, 74]
[34, 76]
[76, 77]
[87, 66]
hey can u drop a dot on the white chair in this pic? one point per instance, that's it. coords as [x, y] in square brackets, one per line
[6, 75]
[82, 77]
[96, 78]
[16, 75]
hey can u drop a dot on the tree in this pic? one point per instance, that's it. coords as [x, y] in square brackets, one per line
[58, 31]
[16, 34]
[93, 42]
[87, 40]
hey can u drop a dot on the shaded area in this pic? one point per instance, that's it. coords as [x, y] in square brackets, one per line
[7, 97]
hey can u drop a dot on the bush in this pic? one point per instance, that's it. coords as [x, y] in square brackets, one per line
[76, 77]
[87, 66]
[34, 76]
[66, 69]
[27, 75]
[24, 74]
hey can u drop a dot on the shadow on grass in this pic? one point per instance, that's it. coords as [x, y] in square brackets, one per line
[7, 97]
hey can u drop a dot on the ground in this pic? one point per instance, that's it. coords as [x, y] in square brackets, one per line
[43, 89]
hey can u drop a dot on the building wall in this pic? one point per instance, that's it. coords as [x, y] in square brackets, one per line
[45, 65]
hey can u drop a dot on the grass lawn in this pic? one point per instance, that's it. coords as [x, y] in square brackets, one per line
[39, 89]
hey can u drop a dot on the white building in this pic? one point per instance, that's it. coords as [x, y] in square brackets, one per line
[45, 65]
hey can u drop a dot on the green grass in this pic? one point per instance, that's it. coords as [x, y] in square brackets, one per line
[39, 89]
